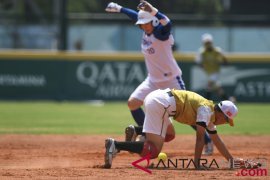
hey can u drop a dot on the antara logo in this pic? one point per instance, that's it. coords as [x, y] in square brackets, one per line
[147, 158]
[187, 163]
[252, 172]
[204, 163]
[174, 163]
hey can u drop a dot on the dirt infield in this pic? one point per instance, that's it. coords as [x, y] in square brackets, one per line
[78, 157]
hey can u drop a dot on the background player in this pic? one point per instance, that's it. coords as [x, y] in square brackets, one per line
[210, 59]
[163, 71]
[186, 107]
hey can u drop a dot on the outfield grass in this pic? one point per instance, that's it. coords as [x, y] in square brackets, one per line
[110, 118]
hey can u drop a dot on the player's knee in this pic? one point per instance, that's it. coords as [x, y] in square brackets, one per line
[130, 104]
[169, 137]
[149, 148]
[133, 104]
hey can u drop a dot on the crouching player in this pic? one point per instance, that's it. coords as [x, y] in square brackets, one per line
[185, 107]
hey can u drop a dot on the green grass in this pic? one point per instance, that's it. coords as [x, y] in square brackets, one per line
[111, 118]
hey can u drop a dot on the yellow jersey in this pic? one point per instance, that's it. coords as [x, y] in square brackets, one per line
[187, 104]
[211, 60]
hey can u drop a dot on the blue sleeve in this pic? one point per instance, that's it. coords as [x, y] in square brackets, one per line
[162, 32]
[130, 13]
[160, 16]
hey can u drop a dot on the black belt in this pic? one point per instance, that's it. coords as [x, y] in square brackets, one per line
[170, 93]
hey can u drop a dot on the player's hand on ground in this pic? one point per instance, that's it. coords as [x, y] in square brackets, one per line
[113, 7]
[201, 168]
[146, 6]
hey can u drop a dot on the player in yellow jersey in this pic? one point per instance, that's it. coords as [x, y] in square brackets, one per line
[185, 107]
[210, 59]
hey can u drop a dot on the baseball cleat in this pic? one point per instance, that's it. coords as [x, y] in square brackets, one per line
[110, 152]
[208, 149]
[130, 133]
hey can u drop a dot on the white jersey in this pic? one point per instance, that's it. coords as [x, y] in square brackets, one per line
[159, 59]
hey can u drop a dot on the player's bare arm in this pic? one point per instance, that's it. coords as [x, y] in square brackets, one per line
[199, 144]
[221, 146]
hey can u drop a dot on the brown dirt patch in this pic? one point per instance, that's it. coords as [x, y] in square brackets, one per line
[77, 157]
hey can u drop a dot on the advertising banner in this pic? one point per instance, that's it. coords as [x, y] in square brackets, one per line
[116, 80]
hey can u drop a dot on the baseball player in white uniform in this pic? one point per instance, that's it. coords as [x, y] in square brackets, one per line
[156, 46]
